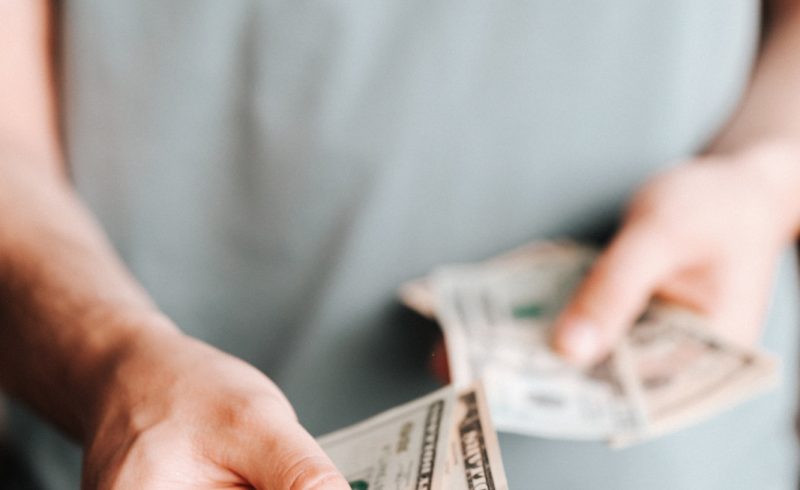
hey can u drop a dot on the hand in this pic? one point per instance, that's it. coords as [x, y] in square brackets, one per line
[706, 234]
[182, 415]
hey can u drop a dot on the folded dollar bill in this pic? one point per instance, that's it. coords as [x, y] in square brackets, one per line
[445, 440]
[668, 372]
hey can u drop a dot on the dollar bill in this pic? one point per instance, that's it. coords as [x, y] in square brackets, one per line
[474, 461]
[496, 321]
[442, 441]
[669, 372]
[418, 294]
[684, 374]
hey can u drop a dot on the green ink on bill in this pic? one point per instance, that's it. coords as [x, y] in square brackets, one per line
[528, 311]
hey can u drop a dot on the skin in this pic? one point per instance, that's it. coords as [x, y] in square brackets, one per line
[83, 344]
[708, 232]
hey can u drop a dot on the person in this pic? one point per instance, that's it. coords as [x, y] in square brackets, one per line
[269, 172]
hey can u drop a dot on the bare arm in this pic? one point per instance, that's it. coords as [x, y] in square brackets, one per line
[66, 303]
[709, 232]
[82, 344]
[768, 111]
[768, 117]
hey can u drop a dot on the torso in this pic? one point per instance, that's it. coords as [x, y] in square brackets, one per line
[271, 171]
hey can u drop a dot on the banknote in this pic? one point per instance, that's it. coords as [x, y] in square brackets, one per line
[473, 461]
[669, 371]
[418, 294]
[683, 373]
[496, 323]
[445, 440]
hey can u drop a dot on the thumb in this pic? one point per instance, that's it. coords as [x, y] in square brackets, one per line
[616, 290]
[288, 458]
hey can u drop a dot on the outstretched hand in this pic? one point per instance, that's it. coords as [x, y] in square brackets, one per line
[182, 415]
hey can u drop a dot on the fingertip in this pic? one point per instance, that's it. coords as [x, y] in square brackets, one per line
[578, 340]
[285, 456]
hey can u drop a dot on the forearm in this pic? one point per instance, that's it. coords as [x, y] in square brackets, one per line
[765, 132]
[68, 308]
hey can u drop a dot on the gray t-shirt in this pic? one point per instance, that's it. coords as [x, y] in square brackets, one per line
[272, 170]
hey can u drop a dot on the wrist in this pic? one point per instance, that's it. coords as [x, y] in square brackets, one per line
[129, 341]
[771, 169]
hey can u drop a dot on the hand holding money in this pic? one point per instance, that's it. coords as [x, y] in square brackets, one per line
[668, 371]
[442, 441]
[705, 234]
[181, 414]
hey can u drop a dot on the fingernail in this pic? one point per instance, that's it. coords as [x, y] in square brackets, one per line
[580, 341]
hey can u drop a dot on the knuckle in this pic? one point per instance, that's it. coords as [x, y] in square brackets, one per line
[238, 412]
[249, 410]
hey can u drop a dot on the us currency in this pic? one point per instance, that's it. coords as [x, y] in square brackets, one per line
[473, 459]
[669, 371]
[683, 373]
[442, 441]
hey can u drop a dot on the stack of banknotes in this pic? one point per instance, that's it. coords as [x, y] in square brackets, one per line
[442, 441]
[668, 372]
